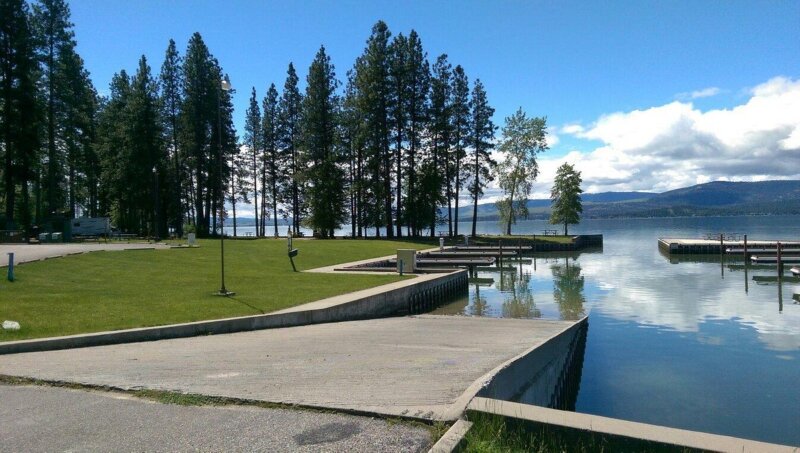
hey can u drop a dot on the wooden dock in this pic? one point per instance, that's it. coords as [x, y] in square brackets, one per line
[676, 246]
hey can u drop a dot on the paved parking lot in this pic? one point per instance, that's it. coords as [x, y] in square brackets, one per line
[33, 252]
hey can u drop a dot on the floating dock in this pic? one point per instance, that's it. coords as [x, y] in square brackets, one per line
[674, 246]
[762, 251]
[490, 248]
[760, 259]
[429, 262]
[468, 254]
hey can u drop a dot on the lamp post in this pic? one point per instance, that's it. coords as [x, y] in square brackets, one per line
[225, 85]
[155, 206]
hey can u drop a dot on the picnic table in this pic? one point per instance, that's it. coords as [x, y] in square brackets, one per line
[550, 232]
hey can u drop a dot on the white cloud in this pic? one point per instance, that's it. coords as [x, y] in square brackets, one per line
[572, 129]
[677, 145]
[704, 93]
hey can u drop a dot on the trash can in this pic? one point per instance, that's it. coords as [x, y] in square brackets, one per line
[44, 238]
[56, 237]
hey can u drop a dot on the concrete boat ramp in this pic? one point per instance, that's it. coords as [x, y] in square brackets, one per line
[425, 367]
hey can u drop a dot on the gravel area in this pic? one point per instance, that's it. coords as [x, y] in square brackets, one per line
[37, 418]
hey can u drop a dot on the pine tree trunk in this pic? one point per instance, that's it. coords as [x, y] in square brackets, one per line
[458, 192]
[399, 155]
[475, 195]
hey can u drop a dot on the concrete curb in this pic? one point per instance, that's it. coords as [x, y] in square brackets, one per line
[622, 428]
[381, 301]
[452, 439]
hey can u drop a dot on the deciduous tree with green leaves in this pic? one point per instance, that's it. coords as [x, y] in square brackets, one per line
[566, 197]
[523, 139]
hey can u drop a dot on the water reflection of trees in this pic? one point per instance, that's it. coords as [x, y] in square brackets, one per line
[568, 289]
[518, 296]
[478, 304]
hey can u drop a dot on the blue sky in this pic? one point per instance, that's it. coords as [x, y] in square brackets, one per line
[578, 63]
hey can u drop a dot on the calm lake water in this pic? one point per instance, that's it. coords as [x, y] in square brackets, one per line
[695, 343]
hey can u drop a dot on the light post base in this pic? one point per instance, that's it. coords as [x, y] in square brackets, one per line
[224, 293]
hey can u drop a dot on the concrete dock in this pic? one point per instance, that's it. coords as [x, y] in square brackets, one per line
[715, 246]
[426, 367]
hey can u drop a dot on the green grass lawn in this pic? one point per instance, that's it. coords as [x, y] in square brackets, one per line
[118, 290]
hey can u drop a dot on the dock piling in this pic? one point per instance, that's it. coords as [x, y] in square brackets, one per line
[500, 258]
[779, 261]
[746, 255]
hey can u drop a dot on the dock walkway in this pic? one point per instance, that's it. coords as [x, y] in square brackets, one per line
[677, 246]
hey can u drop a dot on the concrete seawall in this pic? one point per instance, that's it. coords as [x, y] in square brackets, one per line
[547, 375]
[408, 296]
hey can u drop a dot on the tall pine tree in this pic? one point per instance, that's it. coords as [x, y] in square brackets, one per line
[460, 141]
[253, 141]
[290, 138]
[482, 136]
[272, 175]
[323, 175]
[374, 91]
[171, 80]
[19, 114]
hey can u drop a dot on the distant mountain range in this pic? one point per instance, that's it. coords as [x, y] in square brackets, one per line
[710, 199]
[714, 198]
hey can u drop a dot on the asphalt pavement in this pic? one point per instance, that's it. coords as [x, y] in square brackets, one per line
[48, 419]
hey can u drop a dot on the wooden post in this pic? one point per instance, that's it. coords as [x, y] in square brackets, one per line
[500, 256]
[721, 244]
[746, 255]
[534, 243]
[780, 263]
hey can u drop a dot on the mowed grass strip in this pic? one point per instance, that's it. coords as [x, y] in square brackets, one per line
[102, 291]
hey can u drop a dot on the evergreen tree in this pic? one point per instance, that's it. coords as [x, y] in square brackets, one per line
[77, 132]
[566, 197]
[171, 80]
[354, 139]
[399, 69]
[198, 127]
[112, 142]
[272, 175]
[146, 160]
[374, 100]
[418, 108]
[55, 37]
[324, 177]
[240, 185]
[460, 118]
[224, 135]
[290, 138]
[481, 136]
[523, 139]
[441, 139]
[19, 113]
[253, 140]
